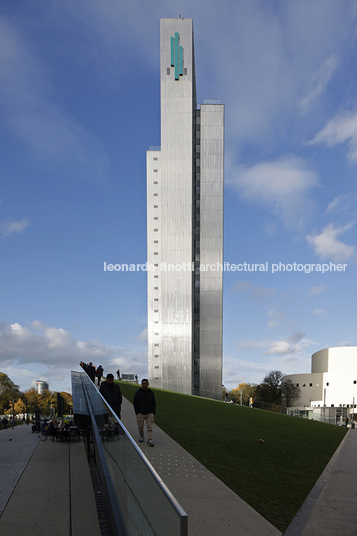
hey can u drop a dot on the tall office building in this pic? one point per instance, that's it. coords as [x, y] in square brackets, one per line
[185, 227]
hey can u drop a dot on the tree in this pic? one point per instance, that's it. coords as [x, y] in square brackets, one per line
[68, 403]
[224, 391]
[290, 392]
[248, 390]
[269, 389]
[8, 391]
[43, 402]
[32, 398]
[19, 406]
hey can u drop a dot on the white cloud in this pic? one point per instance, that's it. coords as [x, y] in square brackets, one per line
[291, 354]
[341, 202]
[327, 246]
[282, 186]
[143, 335]
[280, 347]
[14, 227]
[293, 344]
[319, 82]
[51, 353]
[341, 129]
[320, 313]
[316, 290]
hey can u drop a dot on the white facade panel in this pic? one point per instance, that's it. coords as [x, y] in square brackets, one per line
[211, 248]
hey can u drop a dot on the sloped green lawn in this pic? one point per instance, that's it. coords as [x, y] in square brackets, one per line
[274, 477]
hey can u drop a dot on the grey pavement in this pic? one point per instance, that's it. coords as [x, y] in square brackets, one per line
[212, 507]
[330, 508]
[16, 448]
[46, 488]
[53, 495]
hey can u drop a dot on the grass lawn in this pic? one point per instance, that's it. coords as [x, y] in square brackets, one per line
[274, 477]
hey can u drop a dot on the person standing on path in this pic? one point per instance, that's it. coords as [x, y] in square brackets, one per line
[99, 374]
[90, 370]
[112, 394]
[145, 409]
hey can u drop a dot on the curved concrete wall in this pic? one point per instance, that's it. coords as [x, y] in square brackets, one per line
[319, 361]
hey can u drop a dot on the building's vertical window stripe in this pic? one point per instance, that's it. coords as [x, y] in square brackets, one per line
[172, 51]
[181, 60]
[177, 56]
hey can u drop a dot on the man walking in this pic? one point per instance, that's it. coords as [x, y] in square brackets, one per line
[112, 394]
[145, 409]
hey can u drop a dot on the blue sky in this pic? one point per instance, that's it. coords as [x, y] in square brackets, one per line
[79, 105]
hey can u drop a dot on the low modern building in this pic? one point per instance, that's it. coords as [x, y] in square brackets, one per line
[332, 382]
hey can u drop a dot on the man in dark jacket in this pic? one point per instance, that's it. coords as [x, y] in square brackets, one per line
[145, 409]
[90, 370]
[112, 394]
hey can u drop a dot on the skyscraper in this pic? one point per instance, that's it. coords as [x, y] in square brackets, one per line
[185, 227]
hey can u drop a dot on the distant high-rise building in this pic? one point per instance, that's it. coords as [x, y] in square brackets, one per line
[41, 386]
[185, 227]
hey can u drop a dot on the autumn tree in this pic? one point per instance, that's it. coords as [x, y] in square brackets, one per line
[32, 398]
[45, 401]
[8, 391]
[248, 390]
[19, 406]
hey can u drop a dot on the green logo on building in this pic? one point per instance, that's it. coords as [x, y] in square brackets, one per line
[177, 56]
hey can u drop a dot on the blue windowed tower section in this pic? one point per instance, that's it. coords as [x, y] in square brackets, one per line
[176, 56]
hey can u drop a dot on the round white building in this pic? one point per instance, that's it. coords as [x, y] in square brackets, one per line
[332, 381]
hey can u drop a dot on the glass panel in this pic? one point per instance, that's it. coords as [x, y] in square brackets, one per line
[148, 507]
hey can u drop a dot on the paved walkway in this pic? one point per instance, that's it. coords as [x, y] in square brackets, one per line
[330, 508]
[16, 448]
[212, 507]
[53, 495]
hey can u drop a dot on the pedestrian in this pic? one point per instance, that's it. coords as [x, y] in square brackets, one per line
[145, 409]
[346, 421]
[112, 394]
[136, 378]
[90, 370]
[99, 374]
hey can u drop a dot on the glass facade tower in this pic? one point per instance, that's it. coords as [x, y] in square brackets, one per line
[185, 227]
